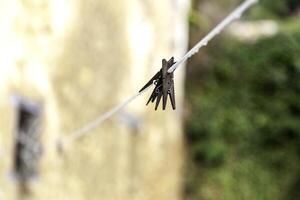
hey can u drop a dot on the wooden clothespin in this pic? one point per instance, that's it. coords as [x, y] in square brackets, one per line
[164, 85]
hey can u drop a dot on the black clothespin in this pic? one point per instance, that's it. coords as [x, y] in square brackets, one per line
[164, 85]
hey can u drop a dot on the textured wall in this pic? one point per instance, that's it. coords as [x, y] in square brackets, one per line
[78, 59]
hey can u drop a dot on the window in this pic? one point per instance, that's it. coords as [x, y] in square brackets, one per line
[27, 140]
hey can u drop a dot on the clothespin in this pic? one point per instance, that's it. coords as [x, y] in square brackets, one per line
[164, 85]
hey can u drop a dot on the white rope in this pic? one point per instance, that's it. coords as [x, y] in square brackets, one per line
[93, 124]
[236, 14]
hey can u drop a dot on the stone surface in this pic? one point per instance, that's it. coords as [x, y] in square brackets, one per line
[78, 59]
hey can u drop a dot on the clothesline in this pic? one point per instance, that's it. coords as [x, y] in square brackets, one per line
[236, 14]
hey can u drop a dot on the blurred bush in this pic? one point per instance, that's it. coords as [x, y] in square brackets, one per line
[243, 132]
[279, 8]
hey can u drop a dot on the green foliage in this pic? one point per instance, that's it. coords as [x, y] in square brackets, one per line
[244, 128]
[277, 8]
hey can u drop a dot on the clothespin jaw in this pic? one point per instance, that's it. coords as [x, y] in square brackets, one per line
[154, 79]
[168, 83]
[164, 85]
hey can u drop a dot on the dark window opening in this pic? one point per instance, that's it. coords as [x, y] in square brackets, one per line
[27, 140]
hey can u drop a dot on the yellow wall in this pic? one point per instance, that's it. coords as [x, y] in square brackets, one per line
[78, 59]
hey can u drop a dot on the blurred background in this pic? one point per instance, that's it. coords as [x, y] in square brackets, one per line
[234, 135]
[242, 97]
